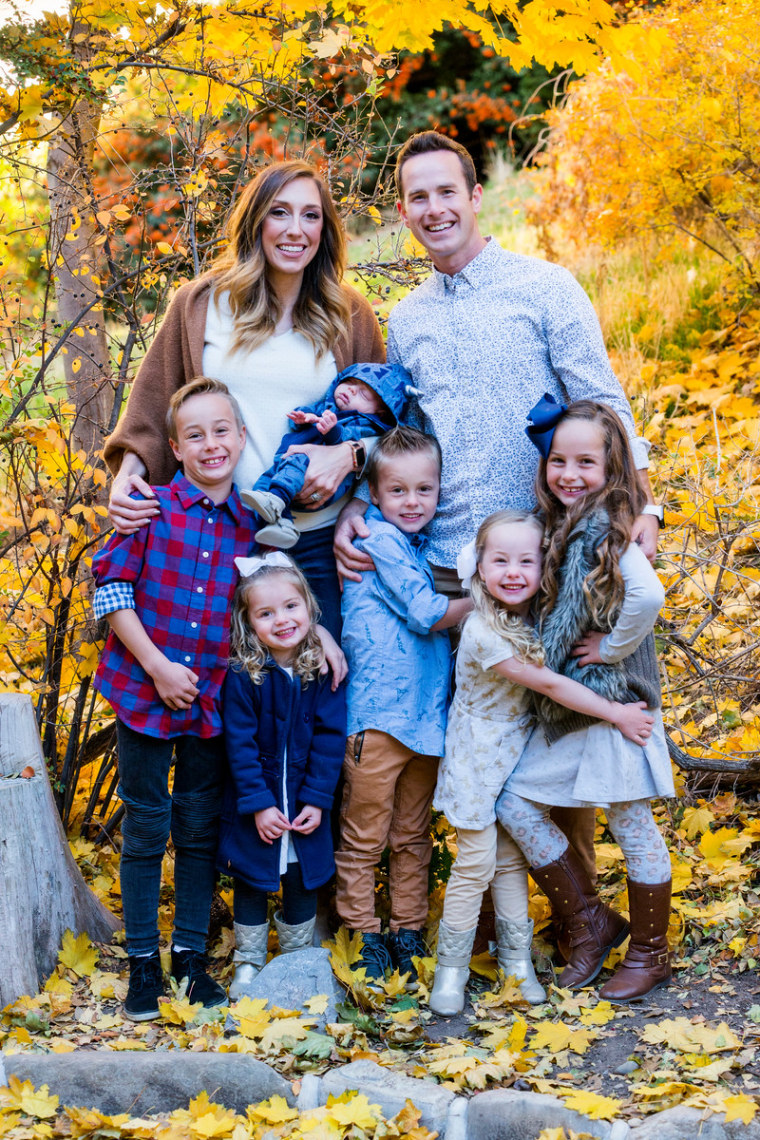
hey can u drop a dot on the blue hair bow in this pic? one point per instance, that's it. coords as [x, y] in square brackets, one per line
[544, 417]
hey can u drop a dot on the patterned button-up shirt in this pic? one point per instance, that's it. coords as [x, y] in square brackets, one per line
[483, 346]
[398, 671]
[179, 572]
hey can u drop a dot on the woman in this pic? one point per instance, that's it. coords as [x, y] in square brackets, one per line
[274, 320]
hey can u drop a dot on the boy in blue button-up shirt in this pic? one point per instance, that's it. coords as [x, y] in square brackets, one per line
[399, 665]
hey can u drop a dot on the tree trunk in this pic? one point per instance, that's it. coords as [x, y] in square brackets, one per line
[42, 893]
[75, 259]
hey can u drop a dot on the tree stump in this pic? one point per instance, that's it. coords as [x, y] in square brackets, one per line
[42, 892]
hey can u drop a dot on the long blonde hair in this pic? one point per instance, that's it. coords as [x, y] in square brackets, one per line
[247, 654]
[322, 312]
[621, 497]
[511, 627]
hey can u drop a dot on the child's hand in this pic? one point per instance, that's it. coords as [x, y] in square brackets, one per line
[176, 685]
[326, 422]
[634, 721]
[270, 824]
[308, 820]
[587, 649]
[302, 417]
[334, 657]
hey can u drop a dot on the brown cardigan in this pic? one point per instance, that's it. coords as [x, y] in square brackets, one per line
[176, 356]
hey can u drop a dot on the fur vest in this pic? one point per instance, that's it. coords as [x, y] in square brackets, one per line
[634, 679]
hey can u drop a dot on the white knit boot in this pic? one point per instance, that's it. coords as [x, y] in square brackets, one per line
[514, 941]
[250, 957]
[294, 938]
[452, 970]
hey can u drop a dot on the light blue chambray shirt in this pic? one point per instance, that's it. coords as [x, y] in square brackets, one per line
[483, 346]
[398, 671]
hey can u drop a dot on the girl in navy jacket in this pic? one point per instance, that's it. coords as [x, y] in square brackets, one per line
[285, 733]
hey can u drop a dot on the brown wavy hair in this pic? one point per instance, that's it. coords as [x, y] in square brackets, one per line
[247, 654]
[322, 312]
[621, 497]
[521, 637]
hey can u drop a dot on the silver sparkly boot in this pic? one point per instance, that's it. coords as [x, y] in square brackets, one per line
[513, 956]
[294, 938]
[452, 970]
[250, 957]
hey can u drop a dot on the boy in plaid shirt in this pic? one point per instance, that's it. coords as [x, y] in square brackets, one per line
[166, 591]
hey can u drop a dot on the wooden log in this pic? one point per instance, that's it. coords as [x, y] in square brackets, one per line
[42, 892]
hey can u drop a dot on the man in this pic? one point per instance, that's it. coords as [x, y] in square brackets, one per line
[484, 337]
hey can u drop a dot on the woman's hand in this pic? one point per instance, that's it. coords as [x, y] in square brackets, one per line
[328, 467]
[634, 721]
[308, 820]
[270, 824]
[587, 649]
[335, 658]
[351, 563]
[126, 514]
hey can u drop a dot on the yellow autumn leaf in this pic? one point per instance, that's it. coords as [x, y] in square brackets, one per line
[687, 1037]
[556, 1037]
[739, 1107]
[34, 1102]
[317, 1004]
[275, 1110]
[697, 820]
[78, 954]
[290, 1028]
[712, 845]
[593, 1105]
[354, 1112]
[179, 1011]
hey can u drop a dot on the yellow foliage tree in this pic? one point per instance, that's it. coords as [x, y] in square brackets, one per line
[668, 146]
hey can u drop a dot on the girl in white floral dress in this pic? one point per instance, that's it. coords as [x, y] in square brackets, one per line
[499, 660]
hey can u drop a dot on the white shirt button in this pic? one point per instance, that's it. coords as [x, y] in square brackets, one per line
[193, 624]
[188, 659]
[205, 554]
[200, 589]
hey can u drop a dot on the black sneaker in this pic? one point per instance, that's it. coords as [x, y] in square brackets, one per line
[404, 945]
[191, 964]
[146, 986]
[374, 957]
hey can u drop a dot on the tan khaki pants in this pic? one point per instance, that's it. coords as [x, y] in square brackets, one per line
[486, 857]
[386, 803]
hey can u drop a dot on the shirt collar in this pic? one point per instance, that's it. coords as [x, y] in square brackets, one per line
[476, 272]
[189, 496]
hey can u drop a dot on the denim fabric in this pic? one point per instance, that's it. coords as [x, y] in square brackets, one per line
[190, 813]
[298, 903]
[285, 477]
[314, 554]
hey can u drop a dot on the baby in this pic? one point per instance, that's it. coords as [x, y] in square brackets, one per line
[363, 402]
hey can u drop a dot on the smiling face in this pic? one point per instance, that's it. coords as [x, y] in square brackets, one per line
[279, 616]
[356, 396]
[209, 443]
[407, 490]
[510, 566]
[292, 229]
[577, 463]
[440, 211]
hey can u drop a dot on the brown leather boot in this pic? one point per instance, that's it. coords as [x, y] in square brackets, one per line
[647, 961]
[592, 927]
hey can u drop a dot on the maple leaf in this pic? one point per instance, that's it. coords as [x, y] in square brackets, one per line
[687, 1037]
[78, 954]
[317, 1004]
[739, 1107]
[282, 1029]
[179, 1011]
[697, 820]
[593, 1105]
[556, 1037]
[34, 1102]
[275, 1110]
[353, 1110]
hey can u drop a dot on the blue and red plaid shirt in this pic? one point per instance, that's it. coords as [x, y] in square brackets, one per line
[181, 571]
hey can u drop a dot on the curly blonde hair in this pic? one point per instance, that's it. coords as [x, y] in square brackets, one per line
[621, 498]
[247, 654]
[322, 312]
[522, 639]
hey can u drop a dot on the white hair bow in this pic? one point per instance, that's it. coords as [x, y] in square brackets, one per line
[248, 566]
[467, 564]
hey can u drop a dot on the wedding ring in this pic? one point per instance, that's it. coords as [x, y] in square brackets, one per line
[315, 497]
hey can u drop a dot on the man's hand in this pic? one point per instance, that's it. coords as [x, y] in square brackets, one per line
[587, 649]
[645, 533]
[328, 467]
[351, 563]
[176, 685]
[308, 820]
[270, 824]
